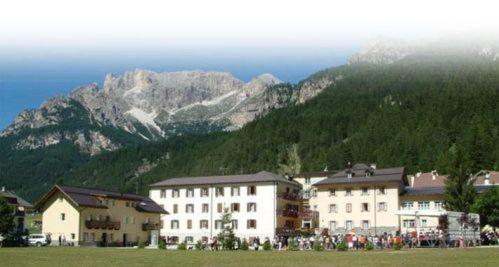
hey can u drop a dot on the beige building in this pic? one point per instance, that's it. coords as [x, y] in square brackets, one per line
[83, 216]
[360, 199]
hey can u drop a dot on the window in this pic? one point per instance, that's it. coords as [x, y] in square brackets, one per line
[127, 204]
[251, 207]
[60, 198]
[220, 207]
[189, 224]
[424, 223]
[365, 224]
[306, 194]
[234, 191]
[332, 192]
[313, 192]
[189, 192]
[125, 219]
[219, 192]
[132, 220]
[349, 225]
[189, 239]
[162, 193]
[438, 205]
[382, 206]
[175, 208]
[203, 224]
[204, 192]
[175, 193]
[234, 207]
[251, 190]
[219, 224]
[161, 223]
[106, 202]
[234, 224]
[332, 225]
[251, 224]
[424, 205]
[113, 202]
[88, 218]
[407, 205]
[332, 208]
[348, 192]
[382, 191]
[174, 224]
[364, 207]
[206, 208]
[349, 207]
[63, 216]
[365, 191]
[408, 223]
[189, 208]
[307, 180]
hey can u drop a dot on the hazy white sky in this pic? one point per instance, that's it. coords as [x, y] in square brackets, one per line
[34, 23]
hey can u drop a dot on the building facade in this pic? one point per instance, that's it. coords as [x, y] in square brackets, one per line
[83, 216]
[261, 205]
[20, 207]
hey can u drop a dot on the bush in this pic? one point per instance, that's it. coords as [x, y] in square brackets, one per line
[293, 245]
[199, 245]
[267, 245]
[142, 245]
[162, 244]
[182, 246]
[342, 246]
[369, 246]
[318, 246]
[244, 245]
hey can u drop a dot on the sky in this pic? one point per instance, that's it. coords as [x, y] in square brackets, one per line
[49, 47]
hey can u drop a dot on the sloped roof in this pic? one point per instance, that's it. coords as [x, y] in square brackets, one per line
[359, 175]
[427, 179]
[262, 176]
[20, 201]
[89, 197]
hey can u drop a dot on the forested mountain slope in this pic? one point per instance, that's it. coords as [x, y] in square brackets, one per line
[413, 113]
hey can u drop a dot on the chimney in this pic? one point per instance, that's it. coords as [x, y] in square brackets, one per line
[412, 180]
[418, 174]
[486, 180]
[3, 188]
[373, 166]
[434, 174]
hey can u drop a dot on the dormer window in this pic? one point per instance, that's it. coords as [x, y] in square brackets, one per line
[349, 175]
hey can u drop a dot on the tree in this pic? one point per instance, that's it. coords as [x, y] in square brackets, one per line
[226, 236]
[459, 187]
[6, 217]
[487, 206]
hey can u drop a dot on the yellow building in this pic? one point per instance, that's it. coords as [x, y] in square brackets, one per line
[84, 216]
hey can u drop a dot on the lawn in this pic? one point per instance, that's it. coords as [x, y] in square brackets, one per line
[54, 256]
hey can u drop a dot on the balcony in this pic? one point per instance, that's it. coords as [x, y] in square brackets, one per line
[308, 215]
[150, 226]
[288, 213]
[109, 225]
[289, 196]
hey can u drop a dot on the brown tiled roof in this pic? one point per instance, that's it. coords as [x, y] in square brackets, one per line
[89, 197]
[359, 175]
[493, 178]
[426, 180]
[262, 176]
[19, 201]
[315, 174]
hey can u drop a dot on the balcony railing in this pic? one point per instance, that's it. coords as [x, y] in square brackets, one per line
[150, 226]
[110, 225]
[289, 213]
[308, 215]
[289, 196]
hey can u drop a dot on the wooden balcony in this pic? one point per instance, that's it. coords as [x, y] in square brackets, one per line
[150, 226]
[289, 196]
[107, 225]
[288, 213]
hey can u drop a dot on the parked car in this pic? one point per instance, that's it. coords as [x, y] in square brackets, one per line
[37, 240]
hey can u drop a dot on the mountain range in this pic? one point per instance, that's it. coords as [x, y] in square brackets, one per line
[392, 103]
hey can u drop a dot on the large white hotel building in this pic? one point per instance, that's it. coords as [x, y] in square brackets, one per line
[360, 199]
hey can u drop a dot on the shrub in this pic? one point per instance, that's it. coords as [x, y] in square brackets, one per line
[182, 246]
[267, 245]
[318, 246]
[293, 245]
[369, 246]
[244, 245]
[199, 245]
[162, 244]
[142, 245]
[342, 246]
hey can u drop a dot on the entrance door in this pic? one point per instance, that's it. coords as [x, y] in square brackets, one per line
[154, 237]
[104, 239]
[124, 240]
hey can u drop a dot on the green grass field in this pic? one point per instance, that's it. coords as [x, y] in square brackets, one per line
[53, 256]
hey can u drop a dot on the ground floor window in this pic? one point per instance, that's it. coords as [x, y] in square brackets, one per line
[349, 224]
[424, 223]
[332, 225]
[189, 239]
[365, 224]
[251, 224]
[408, 223]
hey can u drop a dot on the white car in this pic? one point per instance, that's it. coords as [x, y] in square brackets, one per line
[37, 240]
